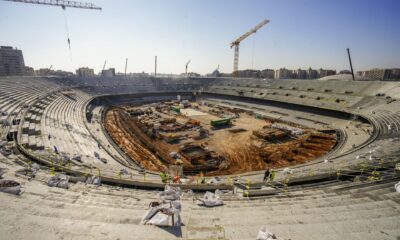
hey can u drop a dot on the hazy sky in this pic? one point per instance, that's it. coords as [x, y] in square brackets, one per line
[301, 34]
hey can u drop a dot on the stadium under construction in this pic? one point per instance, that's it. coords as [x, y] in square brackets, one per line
[332, 147]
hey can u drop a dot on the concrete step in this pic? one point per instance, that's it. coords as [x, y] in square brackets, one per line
[46, 228]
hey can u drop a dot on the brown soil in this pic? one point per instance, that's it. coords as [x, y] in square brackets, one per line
[243, 152]
[129, 142]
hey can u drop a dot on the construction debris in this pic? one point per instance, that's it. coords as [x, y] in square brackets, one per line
[287, 171]
[93, 180]
[237, 130]
[2, 172]
[265, 234]
[198, 137]
[170, 193]
[10, 186]
[270, 134]
[214, 181]
[163, 214]
[166, 212]
[6, 150]
[59, 180]
[210, 200]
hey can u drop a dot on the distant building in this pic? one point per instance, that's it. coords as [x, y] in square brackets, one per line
[42, 71]
[11, 61]
[189, 74]
[142, 74]
[216, 73]
[395, 74]
[226, 75]
[29, 71]
[283, 73]
[300, 74]
[193, 74]
[85, 72]
[381, 74]
[108, 72]
[268, 73]
[345, 71]
[312, 74]
[249, 73]
[47, 71]
[326, 72]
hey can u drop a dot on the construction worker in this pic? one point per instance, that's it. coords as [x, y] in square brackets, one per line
[272, 175]
[266, 174]
[202, 178]
[163, 177]
[176, 179]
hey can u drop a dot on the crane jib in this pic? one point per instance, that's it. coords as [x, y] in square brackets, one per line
[241, 38]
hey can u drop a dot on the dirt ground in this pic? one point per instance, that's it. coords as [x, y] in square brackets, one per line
[242, 151]
[129, 143]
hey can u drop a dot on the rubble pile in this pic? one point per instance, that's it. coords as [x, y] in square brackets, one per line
[166, 211]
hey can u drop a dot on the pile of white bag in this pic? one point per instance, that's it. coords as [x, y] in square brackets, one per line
[2, 172]
[214, 181]
[265, 234]
[397, 187]
[166, 212]
[10, 186]
[171, 193]
[93, 180]
[210, 200]
[59, 180]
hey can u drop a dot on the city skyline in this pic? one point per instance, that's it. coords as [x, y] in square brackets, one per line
[301, 34]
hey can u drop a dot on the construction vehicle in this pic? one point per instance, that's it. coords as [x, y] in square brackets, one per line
[220, 123]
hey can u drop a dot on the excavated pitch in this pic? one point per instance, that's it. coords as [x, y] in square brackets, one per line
[241, 151]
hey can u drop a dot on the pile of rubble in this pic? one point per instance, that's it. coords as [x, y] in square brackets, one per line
[166, 211]
[5, 148]
[210, 199]
[9, 186]
[292, 130]
[62, 180]
[270, 134]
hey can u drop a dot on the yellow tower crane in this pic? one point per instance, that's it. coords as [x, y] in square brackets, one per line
[237, 42]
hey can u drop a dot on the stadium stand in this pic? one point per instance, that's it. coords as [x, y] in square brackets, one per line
[347, 194]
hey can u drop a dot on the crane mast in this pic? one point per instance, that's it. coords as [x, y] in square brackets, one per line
[186, 67]
[104, 67]
[241, 38]
[351, 64]
[126, 65]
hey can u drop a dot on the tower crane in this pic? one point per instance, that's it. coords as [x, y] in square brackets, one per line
[63, 4]
[351, 64]
[60, 3]
[104, 67]
[186, 67]
[49, 69]
[241, 38]
[126, 65]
